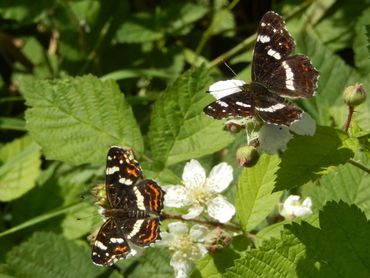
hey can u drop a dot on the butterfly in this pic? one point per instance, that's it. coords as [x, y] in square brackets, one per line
[133, 210]
[275, 75]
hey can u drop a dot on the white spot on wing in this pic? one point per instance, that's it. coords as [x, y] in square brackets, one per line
[289, 76]
[263, 24]
[100, 245]
[125, 181]
[139, 198]
[274, 54]
[242, 104]
[272, 108]
[116, 240]
[222, 103]
[112, 170]
[263, 39]
[136, 228]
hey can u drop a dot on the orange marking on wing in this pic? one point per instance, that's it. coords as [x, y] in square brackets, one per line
[121, 249]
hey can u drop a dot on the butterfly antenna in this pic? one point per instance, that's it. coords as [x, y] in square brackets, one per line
[226, 64]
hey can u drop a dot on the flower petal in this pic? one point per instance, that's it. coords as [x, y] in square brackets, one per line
[300, 211]
[194, 211]
[273, 138]
[198, 232]
[202, 250]
[224, 88]
[194, 174]
[307, 202]
[175, 196]
[177, 228]
[167, 239]
[181, 266]
[220, 209]
[305, 126]
[220, 177]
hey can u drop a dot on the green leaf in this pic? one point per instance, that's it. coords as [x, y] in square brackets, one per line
[12, 124]
[340, 247]
[276, 258]
[215, 264]
[254, 200]
[51, 255]
[142, 27]
[347, 183]
[361, 42]
[307, 157]
[179, 130]
[154, 263]
[76, 119]
[368, 37]
[19, 167]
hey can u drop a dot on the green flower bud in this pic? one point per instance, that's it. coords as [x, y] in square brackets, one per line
[247, 156]
[100, 195]
[354, 95]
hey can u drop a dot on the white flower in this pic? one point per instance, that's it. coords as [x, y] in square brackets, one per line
[199, 192]
[293, 208]
[224, 88]
[188, 246]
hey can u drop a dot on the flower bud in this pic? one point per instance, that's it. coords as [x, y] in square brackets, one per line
[100, 195]
[247, 156]
[354, 95]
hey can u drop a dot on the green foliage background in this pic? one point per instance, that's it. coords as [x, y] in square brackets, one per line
[79, 76]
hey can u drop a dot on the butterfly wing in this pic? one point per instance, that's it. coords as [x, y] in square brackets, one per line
[122, 171]
[273, 109]
[234, 105]
[109, 245]
[142, 232]
[274, 44]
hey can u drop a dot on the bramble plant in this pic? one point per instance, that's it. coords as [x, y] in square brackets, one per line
[246, 194]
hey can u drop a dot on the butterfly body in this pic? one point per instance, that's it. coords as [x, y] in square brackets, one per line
[275, 75]
[133, 209]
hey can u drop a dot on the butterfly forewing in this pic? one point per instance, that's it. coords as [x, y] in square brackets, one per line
[273, 45]
[234, 105]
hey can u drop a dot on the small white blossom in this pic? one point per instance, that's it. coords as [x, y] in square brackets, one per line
[198, 192]
[293, 207]
[187, 246]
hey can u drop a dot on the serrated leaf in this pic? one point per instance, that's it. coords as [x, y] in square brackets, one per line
[51, 255]
[179, 130]
[340, 247]
[347, 183]
[361, 42]
[76, 119]
[19, 168]
[307, 157]
[276, 258]
[214, 265]
[254, 199]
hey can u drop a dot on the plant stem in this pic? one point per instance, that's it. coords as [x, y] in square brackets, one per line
[359, 165]
[349, 118]
[229, 227]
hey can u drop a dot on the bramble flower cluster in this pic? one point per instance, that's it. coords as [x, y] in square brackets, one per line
[199, 193]
[293, 207]
[187, 246]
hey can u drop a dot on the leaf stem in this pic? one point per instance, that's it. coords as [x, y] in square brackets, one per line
[349, 118]
[359, 165]
[229, 227]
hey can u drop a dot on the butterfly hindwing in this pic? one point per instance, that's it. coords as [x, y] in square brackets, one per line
[295, 77]
[109, 244]
[149, 196]
[142, 232]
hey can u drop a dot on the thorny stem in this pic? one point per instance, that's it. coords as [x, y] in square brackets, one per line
[229, 227]
[349, 118]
